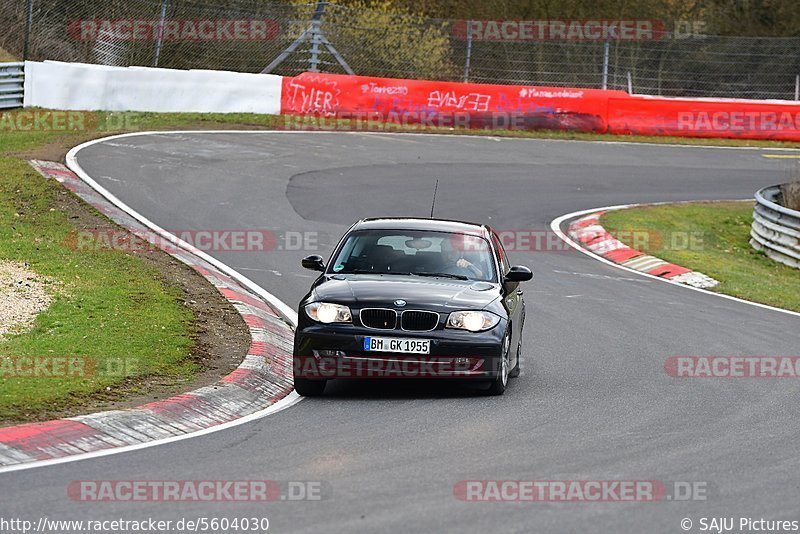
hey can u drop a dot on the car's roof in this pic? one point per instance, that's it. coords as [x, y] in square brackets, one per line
[412, 223]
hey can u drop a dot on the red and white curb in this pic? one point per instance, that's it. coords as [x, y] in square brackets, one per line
[260, 382]
[591, 235]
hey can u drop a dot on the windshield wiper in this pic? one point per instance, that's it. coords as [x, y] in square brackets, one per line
[367, 271]
[403, 273]
[445, 275]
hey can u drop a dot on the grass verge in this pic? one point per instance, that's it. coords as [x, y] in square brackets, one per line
[713, 238]
[123, 325]
[112, 317]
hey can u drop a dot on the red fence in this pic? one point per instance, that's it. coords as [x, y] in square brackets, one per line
[450, 104]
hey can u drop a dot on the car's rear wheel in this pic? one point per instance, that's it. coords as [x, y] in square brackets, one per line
[309, 388]
[498, 385]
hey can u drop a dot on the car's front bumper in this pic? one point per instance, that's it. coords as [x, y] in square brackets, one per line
[337, 351]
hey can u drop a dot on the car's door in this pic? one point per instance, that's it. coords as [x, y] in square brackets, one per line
[512, 298]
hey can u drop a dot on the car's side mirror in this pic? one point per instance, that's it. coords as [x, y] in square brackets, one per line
[314, 263]
[518, 273]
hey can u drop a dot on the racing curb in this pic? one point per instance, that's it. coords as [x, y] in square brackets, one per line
[262, 379]
[591, 235]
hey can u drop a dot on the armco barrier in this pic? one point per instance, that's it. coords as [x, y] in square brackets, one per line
[12, 77]
[775, 229]
[446, 103]
[78, 86]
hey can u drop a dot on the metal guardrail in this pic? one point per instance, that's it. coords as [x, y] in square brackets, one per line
[12, 84]
[775, 229]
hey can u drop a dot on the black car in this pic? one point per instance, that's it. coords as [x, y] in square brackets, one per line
[412, 298]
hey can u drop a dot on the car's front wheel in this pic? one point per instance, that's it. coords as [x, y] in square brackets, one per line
[309, 388]
[498, 385]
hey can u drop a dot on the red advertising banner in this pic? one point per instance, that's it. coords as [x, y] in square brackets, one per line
[446, 104]
[683, 117]
[519, 107]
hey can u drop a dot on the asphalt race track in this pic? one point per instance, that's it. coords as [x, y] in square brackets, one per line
[593, 401]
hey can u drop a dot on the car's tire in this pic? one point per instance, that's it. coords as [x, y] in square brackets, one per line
[309, 388]
[498, 385]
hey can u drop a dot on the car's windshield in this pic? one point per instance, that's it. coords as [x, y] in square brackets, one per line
[416, 252]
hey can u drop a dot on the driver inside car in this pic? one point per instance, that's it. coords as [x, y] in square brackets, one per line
[456, 263]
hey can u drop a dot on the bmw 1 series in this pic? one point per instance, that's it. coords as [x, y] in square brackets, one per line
[412, 298]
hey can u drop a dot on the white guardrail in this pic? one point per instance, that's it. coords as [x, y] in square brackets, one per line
[12, 82]
[775, 229]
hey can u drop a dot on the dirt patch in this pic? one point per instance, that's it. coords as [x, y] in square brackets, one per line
[219, 334]
[23, 295]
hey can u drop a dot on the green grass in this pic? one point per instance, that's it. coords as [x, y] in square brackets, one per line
[712, 238]
[108, 307]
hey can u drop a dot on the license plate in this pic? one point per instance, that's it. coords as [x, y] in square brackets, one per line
[395, 344]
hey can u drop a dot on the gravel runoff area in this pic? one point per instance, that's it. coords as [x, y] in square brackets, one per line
[22, 297]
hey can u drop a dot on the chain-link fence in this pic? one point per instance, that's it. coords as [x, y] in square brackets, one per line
[379, 40]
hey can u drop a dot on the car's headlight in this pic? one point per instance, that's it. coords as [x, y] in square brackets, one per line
[474, 321]
[325, 312]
